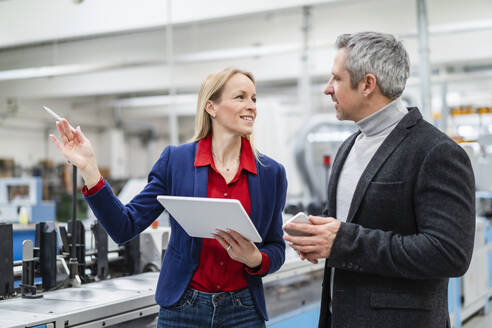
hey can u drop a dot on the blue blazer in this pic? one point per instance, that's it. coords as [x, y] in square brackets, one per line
[174, 173]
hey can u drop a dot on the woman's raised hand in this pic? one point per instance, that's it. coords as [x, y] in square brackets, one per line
[76, 148]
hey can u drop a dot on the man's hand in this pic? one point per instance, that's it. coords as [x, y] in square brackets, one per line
[317, 246]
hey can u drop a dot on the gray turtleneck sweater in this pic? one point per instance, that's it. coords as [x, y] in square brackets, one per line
[374, 129]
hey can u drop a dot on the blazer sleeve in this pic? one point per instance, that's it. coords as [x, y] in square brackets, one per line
[123, 222]
[444, 205]
[274, 245]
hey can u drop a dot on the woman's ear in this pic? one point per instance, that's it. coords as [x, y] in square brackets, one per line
[210, 108]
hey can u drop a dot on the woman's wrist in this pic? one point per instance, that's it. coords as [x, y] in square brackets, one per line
[91, 178]
[91, 182]
[256, 261]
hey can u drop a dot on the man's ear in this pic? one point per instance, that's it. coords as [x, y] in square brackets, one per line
[368, 84]
[210, 108]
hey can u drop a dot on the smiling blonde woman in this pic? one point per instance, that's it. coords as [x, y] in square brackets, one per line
[203, 282]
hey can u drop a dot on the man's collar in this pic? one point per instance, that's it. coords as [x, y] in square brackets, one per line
[382, 119]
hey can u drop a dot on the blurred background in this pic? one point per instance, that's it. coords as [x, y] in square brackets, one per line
[128, 73]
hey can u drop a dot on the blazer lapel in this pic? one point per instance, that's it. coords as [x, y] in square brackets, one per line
[387, 147]
[255, 196]
[335, 173]
[200, 189]
[200, 182]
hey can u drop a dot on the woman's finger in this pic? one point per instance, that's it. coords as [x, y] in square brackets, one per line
[67, 128]
[79, 135]
[227, 237]
[221, 241]
[57, 143]
[63, 136]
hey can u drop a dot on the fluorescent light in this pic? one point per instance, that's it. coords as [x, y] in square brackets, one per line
[470, 26]
[451, 28]
[48, 71]
[235, 53]
[45, 71]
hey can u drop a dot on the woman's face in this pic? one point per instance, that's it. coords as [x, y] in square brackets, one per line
[235, 111]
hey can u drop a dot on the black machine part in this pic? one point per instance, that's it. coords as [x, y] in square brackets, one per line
[6, 260]
[46, 241]
[64, 238]
[28, 289]
[132, 255]
[77, 242]
[101, 241]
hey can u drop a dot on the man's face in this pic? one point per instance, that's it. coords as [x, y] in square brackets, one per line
[348, 101]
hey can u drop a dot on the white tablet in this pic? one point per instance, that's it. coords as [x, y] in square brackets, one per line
[200, 217]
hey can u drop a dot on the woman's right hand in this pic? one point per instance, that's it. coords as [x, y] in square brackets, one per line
[76, 148]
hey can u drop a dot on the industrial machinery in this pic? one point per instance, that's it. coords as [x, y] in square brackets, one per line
[472, 292]
[314, 150]
[34, 289]
[21, 200]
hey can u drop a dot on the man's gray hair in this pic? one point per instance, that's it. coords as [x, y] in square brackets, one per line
[379, 54]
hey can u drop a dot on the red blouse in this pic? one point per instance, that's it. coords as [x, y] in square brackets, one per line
[217, 272]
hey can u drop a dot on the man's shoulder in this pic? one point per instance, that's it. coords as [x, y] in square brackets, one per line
[429, 136]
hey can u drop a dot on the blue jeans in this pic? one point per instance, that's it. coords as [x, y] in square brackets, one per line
[198, 309]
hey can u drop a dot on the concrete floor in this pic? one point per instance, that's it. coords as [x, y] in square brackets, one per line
[480, 321]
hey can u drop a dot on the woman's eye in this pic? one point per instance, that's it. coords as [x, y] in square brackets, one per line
[254, 100]
[240, 97]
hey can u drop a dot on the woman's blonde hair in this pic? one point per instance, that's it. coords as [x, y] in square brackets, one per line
[211, 89]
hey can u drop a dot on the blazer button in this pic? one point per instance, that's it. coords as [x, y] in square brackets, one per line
[344, 264]
[349, 266]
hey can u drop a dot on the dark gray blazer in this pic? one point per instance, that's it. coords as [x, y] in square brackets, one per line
[410, 226]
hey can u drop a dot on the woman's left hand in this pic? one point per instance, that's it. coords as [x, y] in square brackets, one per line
[239, 248]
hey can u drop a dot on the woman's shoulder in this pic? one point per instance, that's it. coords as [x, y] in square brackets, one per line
[177, 155]
[183, 149]
[186, 147]
[267, 163]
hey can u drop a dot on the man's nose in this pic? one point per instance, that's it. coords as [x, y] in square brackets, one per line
[329, 88]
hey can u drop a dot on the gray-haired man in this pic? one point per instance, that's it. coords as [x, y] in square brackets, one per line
[400, 218]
